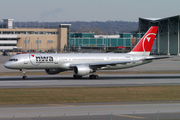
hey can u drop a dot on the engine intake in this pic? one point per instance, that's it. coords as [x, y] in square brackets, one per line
[82, 70]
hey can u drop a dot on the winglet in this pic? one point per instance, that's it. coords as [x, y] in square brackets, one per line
[145, 44]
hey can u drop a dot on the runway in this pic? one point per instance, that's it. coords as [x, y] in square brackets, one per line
[110, 80]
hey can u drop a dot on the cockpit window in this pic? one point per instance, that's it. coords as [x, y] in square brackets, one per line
[13, 59]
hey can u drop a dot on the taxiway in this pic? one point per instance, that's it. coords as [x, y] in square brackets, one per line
[110, 80]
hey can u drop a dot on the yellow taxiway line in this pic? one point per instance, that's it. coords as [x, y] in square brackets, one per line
[131, 116]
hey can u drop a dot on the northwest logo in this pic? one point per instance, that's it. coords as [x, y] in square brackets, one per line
[37, 59]
[147, 41]
[44, 59]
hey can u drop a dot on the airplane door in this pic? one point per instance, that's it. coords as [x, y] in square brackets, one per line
[56, 61]
[25, 60]
[108, 59]
[132, 58]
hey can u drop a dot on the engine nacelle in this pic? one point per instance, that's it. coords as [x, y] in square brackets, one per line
[53, 71]
[82, 70]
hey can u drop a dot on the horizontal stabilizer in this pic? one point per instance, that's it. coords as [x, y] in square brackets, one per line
[156, 58]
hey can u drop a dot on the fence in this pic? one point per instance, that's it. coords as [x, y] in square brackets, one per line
[111, 116]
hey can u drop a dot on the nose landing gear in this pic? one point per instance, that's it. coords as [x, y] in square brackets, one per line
[24, 74]
[24, 77]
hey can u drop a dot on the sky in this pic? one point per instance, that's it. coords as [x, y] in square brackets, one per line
[87, 10]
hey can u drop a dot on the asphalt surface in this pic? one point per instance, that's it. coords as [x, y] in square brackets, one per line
[111, 80]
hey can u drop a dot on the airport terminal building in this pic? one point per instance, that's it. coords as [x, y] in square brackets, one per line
[36, 39]
[59, 40]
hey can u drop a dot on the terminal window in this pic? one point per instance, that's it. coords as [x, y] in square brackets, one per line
[8, 32]
[49, 41]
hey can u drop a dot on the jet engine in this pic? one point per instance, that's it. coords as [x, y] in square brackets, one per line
[82, 70]
[53, 71]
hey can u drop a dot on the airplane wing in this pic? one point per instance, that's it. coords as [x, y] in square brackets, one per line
[113, 63]
[98, 65]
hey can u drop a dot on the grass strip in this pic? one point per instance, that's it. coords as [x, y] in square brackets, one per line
[88, 94]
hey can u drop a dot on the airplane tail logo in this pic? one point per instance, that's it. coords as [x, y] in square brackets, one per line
[145, 44]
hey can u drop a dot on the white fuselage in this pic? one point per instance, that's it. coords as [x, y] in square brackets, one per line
[64, 60]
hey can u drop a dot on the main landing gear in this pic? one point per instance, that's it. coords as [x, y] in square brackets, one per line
[24, 74]
[77, 76]
[93, 76]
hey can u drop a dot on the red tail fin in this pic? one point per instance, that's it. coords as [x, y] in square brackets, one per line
[145, 44]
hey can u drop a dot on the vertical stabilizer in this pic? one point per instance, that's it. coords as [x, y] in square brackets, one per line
[144, 46]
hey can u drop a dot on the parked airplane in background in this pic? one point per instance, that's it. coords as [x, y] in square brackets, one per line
[86, 63]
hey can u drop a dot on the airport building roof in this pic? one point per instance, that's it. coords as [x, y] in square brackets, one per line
[168, 40]
[160, 19]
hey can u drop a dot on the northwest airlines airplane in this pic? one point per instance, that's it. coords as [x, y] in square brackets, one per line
[86, 63]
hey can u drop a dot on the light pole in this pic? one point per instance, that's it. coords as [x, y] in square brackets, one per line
[26, 45]
[2, 23]
[29, 44]
[38, 41]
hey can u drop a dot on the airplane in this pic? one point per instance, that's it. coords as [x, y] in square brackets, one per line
[86, 63]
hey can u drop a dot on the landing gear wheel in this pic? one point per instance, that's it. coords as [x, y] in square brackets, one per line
[24, 77]
[74, 76]
[77, 76]
[93, 76]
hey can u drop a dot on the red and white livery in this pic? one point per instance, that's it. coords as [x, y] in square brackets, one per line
[145, 44]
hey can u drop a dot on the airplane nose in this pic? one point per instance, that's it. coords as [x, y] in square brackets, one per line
[7, 65]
